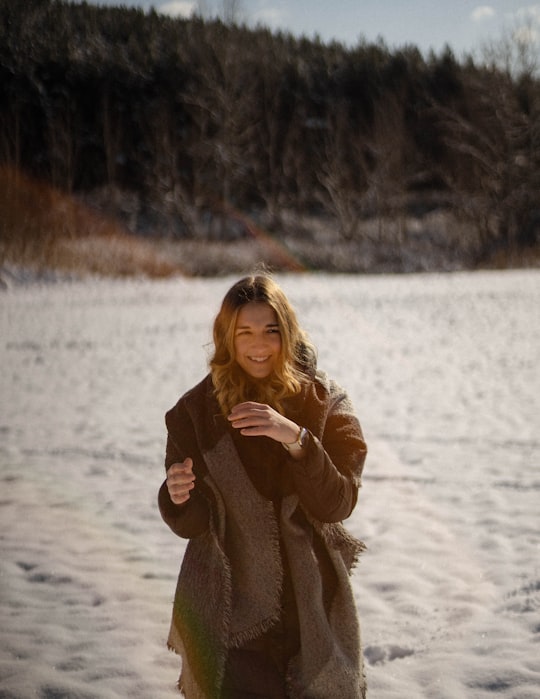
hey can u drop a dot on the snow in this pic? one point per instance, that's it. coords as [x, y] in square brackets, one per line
[443, 372]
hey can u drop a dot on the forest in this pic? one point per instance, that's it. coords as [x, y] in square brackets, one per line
[207, 131]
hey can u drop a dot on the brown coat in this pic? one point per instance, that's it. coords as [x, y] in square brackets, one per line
[230, 585]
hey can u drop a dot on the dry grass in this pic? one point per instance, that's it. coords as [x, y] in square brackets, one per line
[43, 229]
[528, 258]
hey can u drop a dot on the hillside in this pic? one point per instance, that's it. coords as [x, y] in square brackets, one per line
[201, 135]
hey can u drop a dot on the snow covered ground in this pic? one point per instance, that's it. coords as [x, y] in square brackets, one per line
[443, 372]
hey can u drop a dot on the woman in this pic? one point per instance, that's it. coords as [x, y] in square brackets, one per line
[264, 458]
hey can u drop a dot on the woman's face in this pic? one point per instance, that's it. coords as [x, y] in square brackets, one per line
[257, 340]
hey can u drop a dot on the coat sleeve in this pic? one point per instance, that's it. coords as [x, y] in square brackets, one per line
[191, 518]
[327, 478]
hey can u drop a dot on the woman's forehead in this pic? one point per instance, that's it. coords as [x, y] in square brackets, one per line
[256, 313]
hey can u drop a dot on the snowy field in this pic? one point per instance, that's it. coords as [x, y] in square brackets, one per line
[443, 371]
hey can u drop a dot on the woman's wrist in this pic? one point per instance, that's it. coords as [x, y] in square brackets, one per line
[297, 447]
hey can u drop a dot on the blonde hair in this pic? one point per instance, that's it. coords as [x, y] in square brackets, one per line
[297, 357]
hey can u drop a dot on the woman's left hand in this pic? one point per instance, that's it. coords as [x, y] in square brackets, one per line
[260, 420]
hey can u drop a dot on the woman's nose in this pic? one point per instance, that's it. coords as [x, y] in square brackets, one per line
[259, 340]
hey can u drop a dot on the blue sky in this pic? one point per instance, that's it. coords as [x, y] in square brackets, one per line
[462, 24]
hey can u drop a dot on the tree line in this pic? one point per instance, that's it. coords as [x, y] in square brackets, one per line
[193, 118]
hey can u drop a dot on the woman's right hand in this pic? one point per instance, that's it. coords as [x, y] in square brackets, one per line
[180, 481]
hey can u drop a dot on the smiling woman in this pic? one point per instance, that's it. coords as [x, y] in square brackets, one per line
[257, 322]
[263, 460]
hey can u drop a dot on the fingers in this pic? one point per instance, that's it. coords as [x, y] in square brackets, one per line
[257, 420]
[248, 405]
[251, 416]
[249, 410]
[244, 411]
[180, 481]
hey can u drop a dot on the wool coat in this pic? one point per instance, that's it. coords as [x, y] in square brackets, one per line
[259, 521]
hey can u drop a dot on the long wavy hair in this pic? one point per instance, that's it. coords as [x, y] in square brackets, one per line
[296, 361]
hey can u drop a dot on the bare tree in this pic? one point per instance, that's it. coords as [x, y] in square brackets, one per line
[229, 11]
[387, 176]
[517, 51]
[363, 172]
[166, 182]
[343, 171]
[11, 131]
[232, 11]
[62, 140]
[217, 103]
[203, 9]
[112, 129]
[496, 140]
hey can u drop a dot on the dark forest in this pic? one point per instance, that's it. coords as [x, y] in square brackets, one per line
[200, 129]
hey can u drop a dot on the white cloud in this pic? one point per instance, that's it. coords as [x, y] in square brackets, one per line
[482, 12]
[531, 12]
[527, 15]
[270, 17]
[527, 25]
[177, 8]
[526, 36]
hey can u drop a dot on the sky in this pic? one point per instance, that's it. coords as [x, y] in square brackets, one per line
[464, 25]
